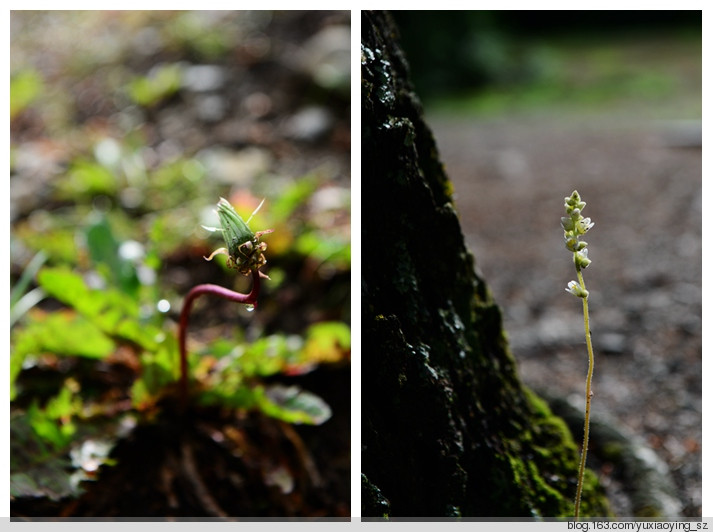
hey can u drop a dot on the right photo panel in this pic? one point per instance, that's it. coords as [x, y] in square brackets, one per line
[532, 265]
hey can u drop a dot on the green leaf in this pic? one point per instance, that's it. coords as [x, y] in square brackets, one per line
[64, 405]
[62, 333]
[327, 342]
[115, 313]
[268, 356]
[48, 428]
[293, 405]
[104, 249]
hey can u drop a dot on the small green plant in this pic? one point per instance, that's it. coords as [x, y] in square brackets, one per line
[245, 254]
[575, 225]
[244, 251]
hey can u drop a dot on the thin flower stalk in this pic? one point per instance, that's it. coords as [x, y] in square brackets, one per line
[575, 225]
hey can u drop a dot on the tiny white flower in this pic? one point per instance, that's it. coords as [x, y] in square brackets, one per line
[582, 258]
[584, 225]
[576, 290]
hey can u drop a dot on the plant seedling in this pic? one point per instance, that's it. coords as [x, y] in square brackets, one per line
[244, 251]
[575, 225]
[245, 254]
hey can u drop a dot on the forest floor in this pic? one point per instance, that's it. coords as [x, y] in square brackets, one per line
[641, 179]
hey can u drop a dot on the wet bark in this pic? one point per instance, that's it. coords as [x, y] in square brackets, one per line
[448, 429]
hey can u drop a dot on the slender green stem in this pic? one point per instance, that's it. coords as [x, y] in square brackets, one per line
[590, 371]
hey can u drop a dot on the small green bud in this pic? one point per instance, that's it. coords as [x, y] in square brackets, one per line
[235, 231]
[574, 202]
[244, 249]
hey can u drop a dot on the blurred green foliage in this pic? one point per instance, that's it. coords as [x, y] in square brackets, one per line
[489, 62]
[161, 83]
[86, 179]
[25, 87]
[201, 35]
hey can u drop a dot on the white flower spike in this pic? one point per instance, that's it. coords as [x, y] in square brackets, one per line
[574, 226]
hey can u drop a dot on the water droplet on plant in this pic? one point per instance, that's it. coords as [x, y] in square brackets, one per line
[163, 305]
[249, 307]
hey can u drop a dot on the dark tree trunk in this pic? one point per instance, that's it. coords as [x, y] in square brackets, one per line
[447, 427]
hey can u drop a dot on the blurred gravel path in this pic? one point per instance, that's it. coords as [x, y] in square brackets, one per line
[642, 183]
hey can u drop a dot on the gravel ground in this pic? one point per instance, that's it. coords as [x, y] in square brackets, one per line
[642, 183]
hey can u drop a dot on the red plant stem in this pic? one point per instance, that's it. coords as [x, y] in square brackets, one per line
[213, 289]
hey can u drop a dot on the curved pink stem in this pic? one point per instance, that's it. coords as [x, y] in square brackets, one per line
[213, 289]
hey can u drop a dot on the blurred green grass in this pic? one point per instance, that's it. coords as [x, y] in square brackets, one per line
[661, 77]
[496, 63]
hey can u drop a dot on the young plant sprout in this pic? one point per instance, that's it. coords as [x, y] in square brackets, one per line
[246, 254]
[244, 251]
[575, 225]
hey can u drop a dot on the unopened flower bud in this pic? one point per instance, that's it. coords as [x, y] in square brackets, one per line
[244, 249]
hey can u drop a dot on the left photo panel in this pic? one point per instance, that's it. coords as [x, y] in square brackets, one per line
[180, 265]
